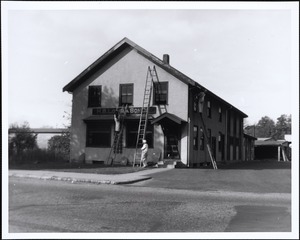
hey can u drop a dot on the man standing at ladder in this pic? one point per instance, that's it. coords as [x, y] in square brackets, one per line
[144, 153]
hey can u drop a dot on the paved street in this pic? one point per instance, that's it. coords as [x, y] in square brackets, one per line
[57, 206]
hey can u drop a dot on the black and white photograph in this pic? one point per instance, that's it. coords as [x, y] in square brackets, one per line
[150, 120]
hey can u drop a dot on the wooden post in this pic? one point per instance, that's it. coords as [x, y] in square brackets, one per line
[278, 153]
[283, 155]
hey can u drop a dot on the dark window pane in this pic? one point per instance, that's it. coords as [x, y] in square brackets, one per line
[132, 130]
[94, 96]
[126, 94]
[195, 142]
[160, 93]
[201, 139]
[98, 135]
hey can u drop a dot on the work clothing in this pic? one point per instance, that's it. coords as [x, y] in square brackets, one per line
[144, 154]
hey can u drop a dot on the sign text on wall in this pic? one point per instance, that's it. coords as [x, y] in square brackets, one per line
[129, 110]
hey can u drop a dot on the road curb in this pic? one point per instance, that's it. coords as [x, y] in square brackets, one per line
[81, 180]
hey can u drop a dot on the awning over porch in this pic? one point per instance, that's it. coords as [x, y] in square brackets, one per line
[168, 116]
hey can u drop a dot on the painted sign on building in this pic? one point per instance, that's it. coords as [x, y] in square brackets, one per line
[129, 110]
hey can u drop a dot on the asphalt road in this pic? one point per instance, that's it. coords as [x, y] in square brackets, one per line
[54, 206]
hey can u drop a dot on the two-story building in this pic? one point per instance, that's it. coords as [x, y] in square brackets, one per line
[175, 128]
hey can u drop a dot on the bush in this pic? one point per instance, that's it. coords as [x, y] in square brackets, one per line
[60, 145]
[22, 140]
[36, 156]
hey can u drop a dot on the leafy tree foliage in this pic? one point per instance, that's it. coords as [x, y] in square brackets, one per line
[283, 126]
[60, 144]
[24, 139]
[266, 127]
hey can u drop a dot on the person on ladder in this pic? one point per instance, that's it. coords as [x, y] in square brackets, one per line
[117, 122]
[144, 153]
[117, 128]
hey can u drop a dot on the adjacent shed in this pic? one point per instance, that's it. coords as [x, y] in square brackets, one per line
[269, 148]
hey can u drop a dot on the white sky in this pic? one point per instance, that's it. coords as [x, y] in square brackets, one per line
[242, 55]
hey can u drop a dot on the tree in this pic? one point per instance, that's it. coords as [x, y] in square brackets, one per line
[283, 126]
[265, 128]
[60, 144]
[23, 138]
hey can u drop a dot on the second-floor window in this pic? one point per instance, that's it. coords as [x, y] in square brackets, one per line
[220, 114]
[126, 95]
[195, 104]
[208, 109]
[160, 93]
[94, 98]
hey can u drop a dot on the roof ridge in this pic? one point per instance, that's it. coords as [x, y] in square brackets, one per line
[167, 67]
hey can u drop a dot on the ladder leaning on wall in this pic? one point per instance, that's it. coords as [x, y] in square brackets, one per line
[208, 144]
[151, 77]
[117, 143]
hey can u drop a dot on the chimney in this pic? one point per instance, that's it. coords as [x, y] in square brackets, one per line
[166, 59]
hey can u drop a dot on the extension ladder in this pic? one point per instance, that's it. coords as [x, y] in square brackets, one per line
[151, 74]
[208, 145]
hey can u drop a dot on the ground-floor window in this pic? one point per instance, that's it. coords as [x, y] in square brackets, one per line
[195, 138]
[201, 139]
[98, 134]
[132, 131]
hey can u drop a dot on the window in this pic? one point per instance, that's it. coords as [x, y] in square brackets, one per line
[132, 131]
[126, 95]
[220, 140]
[220, 114]
[94, 98]
[195, 104]
[208, 109]
[209, 135]
[195, 141]
[98, 135]
[160, 93]
[201, 139]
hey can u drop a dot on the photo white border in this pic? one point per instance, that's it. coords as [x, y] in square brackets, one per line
[6, 6]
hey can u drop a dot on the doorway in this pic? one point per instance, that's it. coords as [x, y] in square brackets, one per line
[171, 141]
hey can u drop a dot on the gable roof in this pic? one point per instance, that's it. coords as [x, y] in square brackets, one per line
[270, 142]
[249, 136]
[170, 116]
[126, 43]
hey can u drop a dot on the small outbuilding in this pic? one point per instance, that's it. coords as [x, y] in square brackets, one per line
[270, 148]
